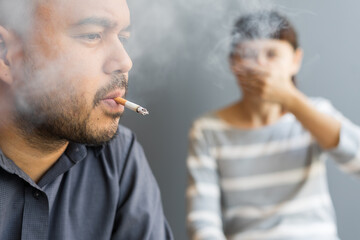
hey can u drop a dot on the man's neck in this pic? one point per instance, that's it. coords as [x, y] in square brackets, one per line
[33, 159]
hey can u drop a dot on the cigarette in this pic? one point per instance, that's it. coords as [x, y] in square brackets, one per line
[131, 106]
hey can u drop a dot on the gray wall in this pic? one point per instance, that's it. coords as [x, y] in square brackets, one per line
[180, 71]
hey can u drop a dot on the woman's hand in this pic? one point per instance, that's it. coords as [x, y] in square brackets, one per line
[273, 86]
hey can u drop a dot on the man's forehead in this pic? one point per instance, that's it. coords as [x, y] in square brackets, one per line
[84, 3]
[77, 11]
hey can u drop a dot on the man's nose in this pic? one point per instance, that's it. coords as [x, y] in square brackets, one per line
[118, 59]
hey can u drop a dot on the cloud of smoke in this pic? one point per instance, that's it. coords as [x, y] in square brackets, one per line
[16, 14]
[170, 34]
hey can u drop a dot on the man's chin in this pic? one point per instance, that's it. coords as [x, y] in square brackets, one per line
[94, 135]
[101, 138]
[100, 142]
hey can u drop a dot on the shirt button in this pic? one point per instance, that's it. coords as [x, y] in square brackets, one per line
[36, 194]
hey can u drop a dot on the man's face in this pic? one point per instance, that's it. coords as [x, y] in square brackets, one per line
[73, 63]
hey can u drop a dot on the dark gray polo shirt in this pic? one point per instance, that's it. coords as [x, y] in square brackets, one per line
[91, 193]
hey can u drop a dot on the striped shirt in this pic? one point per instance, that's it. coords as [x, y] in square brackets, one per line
[264, 183]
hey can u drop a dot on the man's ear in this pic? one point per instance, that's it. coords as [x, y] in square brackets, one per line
[6, 39]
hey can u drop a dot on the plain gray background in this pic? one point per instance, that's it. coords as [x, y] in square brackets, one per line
[179, 49]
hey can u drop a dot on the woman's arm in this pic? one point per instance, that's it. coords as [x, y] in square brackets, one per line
[333, 132]
[323, 127]
[277, 88]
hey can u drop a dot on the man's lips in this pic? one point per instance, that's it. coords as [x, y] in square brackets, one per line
[114, 94]
[109, 100]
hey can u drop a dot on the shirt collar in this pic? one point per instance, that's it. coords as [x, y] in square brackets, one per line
[98, 149]
[76, 152]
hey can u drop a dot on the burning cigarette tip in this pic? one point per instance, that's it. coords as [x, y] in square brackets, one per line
[142, 111]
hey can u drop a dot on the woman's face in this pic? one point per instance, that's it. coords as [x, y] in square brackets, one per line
[266, 55]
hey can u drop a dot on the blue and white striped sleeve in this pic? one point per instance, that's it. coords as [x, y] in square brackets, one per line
[204, 219]
[347, 153]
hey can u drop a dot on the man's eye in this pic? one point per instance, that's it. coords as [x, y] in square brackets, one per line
[90, 36]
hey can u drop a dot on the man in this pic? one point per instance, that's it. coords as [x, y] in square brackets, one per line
[67, 170]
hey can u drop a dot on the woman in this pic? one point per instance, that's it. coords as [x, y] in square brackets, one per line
[256, 167]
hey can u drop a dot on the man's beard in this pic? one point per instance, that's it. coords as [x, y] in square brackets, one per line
[49, 118]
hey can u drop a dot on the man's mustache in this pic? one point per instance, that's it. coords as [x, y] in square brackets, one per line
[117, 81]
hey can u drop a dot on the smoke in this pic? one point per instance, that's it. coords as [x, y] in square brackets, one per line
[16, 14]
[191, 35]
[220, 19]
[156, 37]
